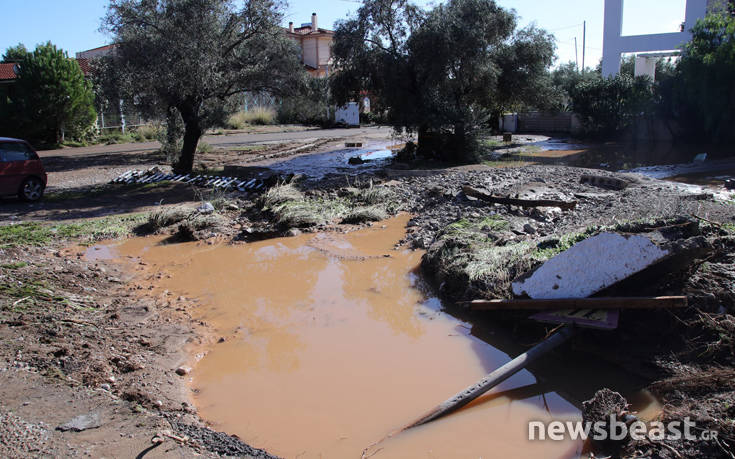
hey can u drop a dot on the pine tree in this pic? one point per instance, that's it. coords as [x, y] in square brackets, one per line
[51, 98]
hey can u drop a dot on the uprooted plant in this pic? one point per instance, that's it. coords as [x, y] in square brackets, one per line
[290, 207]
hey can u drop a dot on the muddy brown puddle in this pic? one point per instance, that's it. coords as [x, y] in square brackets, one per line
[329, 345]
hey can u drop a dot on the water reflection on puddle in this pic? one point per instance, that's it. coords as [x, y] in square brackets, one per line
[329, 347]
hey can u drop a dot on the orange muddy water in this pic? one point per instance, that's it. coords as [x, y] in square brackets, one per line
[330, 346]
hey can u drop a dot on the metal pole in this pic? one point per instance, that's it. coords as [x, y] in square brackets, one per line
[496, 377]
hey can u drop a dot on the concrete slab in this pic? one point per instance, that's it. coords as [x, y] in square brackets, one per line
[590, 266]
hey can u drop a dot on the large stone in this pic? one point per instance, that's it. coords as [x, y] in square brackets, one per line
[590, 266]
[82, 423]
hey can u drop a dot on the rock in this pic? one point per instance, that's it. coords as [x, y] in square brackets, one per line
[356, 161]
[82, 423]
[590, 266]
[206, 208]
[529, 229]
[293, 232]
[106, 387]
[183, 371]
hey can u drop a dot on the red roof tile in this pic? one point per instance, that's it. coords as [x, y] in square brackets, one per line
[7, 71]
[84, 65]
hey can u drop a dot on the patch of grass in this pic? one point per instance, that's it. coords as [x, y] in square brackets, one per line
[74, 143]
[729, 227]
[14, 266]
[29, 292]
[551, 248]
[167, 216]
[310, 212]
[198, 222]
[280, 194]
[113, 227]
[146, 133]
[491, 143]
[291, 208]
[24, 234]
[39, 234]
[115, 137]
[375, 195]
[204, 147]
[257, 116]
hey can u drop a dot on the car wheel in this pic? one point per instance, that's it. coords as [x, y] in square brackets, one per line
[31, 190]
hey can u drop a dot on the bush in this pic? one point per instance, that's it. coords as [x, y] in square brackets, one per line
[204, 147]
[701, 93]
[608, 106]
[257, 116]
[167, 216]
[309, 107]
[146, 133]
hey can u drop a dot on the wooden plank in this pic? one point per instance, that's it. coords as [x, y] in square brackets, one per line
[661, 302]
[599, 319]
[487, 197]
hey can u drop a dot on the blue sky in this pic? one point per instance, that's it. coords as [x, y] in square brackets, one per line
[74, 24]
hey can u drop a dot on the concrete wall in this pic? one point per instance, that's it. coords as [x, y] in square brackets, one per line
[309, 49]
[615, 44]
[349, 114]
[325, 51]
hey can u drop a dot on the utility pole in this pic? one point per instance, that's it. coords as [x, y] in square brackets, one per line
[584, 44]
[576, 53]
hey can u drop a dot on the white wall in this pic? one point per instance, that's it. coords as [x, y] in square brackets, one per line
[615, 44]
[349, 114]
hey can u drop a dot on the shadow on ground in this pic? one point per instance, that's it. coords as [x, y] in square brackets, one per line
[88, 202]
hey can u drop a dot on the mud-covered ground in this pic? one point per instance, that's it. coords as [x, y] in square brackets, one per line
[76, 340]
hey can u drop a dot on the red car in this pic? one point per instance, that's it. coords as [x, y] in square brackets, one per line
[21, 171]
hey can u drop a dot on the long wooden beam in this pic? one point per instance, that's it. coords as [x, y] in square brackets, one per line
[487, 197]
[660, 302]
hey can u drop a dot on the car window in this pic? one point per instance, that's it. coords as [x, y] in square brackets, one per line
[12, 151]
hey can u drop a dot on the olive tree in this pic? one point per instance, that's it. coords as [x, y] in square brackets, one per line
[188, 58]
[443, 72]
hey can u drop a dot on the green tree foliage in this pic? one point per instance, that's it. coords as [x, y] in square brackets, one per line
[608, 106]
[700, 94]
[444, 72]
[50, 98]
[193, 56]
[15, 53]
[309, 105]
[564, 79]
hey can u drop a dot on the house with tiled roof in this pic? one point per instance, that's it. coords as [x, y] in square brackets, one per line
[316, 46]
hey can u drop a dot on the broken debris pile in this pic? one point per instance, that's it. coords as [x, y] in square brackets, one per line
[482, 260]
[155, 175]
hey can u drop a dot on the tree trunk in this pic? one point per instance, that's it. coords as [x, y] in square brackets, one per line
[192, 133]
